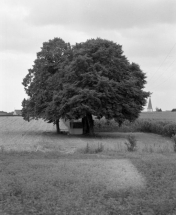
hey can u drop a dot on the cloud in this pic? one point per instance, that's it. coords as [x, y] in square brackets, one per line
[13, 68]
[15, 34]
[104, 14]
[18, 35]
[137, 24]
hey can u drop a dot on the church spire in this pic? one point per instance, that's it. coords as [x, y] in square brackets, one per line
[149, 108]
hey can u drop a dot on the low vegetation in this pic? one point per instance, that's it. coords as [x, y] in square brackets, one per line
[156, 126]
[93, 150]
[132, 143]
[151, 126]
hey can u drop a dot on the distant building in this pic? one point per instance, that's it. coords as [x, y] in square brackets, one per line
[149, 108]
[73, 126]
[17, 112]
[3, 113]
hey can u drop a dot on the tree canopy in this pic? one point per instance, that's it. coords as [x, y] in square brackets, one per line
[88, 79]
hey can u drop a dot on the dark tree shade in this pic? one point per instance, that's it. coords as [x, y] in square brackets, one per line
[90, 78]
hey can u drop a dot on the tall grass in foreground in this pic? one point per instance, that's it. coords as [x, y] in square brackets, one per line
[93, 150]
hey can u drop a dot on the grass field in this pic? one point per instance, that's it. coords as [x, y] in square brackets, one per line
[44, 173]
[165, 115]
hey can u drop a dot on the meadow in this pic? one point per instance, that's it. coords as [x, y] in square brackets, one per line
[165, 116]
[37, 135]
[51, 174]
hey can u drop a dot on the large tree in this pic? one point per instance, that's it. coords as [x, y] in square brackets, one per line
[93, 78]
[44, 79]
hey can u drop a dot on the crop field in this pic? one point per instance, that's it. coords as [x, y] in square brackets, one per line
[165, 115]
[44, 173]
[17, 134]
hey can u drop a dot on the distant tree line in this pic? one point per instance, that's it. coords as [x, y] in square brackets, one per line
[158, 109]
[3, 113]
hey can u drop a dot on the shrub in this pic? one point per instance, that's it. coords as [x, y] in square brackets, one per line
[131, 144]
[157, 127]
[158, 109]
[106, 125]
[169, 129]
[146, 126]
[92, 150]
[100, 148]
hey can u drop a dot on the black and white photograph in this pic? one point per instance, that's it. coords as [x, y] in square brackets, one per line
[87, 107]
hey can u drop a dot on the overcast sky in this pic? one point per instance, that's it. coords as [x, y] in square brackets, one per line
[146, 29]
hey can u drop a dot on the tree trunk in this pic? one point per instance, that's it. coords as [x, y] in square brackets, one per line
[88, 125]
[85, 125]
[57, 126]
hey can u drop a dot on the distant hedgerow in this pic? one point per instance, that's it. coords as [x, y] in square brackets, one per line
[162, 127]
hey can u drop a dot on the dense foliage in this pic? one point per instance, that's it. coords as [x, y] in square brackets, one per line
[158, 109]
[93, 78]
